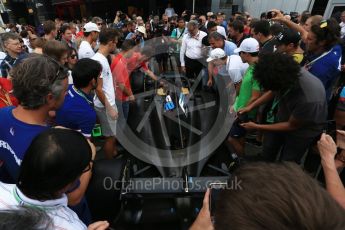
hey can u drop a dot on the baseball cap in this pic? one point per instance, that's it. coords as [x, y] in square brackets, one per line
[248, 45]
[216, 54]
[288, 36]
[90, 26]
[141, 29]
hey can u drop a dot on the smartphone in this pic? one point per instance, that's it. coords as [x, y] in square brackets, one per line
[215, 189]
[243, 118]
[270, 15]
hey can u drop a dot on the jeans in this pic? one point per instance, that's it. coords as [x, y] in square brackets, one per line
[123, 108]
[292, 148]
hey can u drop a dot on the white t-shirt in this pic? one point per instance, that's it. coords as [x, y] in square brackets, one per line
[169, 12]
[85, 50]
[62, 216]
[2, 56]
[221, 30]
[235, 68]
[108, 85]
[342, 29]
[70, 78]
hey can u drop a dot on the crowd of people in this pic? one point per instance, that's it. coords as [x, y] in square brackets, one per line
[288, 73]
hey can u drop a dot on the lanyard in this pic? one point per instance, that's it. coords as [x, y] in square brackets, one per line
[270, 118]
[21, 202]
[82, 95]
[308, 65]
[181, 33]
[276, 101]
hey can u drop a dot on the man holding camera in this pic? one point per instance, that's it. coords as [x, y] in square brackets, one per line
[261, 32]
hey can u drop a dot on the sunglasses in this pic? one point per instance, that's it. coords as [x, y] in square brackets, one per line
[61, 72]
[73, 56]
[100, 23]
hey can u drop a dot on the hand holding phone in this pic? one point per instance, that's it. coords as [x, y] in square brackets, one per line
[203, 220]
[331, 129]
[215, 189]
[270, 14]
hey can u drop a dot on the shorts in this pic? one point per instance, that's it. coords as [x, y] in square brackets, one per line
[108, 125]
[237, 131]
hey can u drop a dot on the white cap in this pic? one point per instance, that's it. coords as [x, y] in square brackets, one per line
[216, 54]
[141, 29]
[249, 45]
[90, 26]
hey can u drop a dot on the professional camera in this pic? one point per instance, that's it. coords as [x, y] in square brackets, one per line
[294, 16]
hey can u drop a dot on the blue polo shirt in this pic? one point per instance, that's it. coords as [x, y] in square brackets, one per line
[77, 112]
[15, 138]
[327, 68]
[229, 48]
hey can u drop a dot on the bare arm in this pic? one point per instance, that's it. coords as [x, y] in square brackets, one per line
[290, 125]
[99, 91]
[101, 96]
[151, 74]
[280, 18]
[334, 186]
[75, 196]
[124, 89]
[255, 95]
[266, 97]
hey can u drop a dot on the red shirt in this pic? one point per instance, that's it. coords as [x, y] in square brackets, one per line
[80, 34]
[6, 86]
[246, 30]
[120, 76]
[133, 63]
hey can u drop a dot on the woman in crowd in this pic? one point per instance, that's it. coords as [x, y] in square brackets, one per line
[52, 166]
[72, 60]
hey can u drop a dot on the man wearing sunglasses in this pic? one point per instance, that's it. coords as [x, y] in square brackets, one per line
[40, 84]
[98, 21]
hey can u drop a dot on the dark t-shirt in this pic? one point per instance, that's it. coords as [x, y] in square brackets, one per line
[238, 43]
[268, 46]
[307, 103]
[204, 41]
